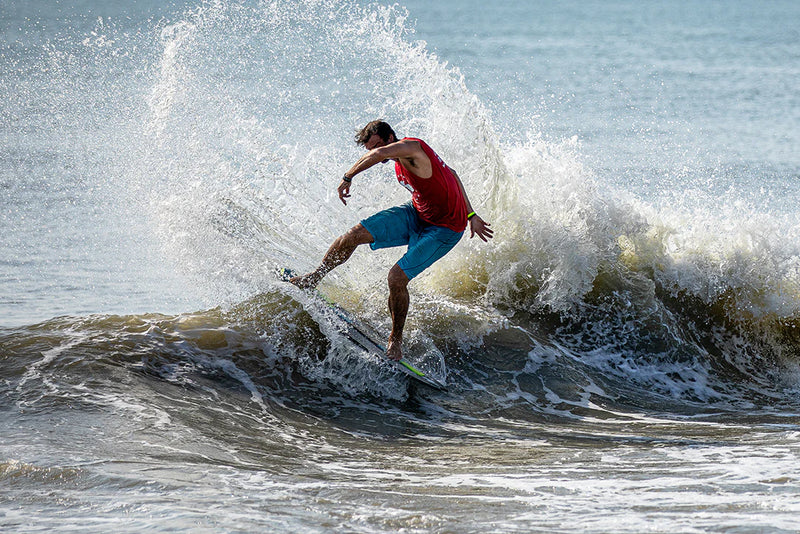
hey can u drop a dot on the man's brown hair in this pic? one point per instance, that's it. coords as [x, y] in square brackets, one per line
[379, 127]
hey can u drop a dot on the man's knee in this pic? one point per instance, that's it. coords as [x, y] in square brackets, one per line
[397, 277]
[357, 235]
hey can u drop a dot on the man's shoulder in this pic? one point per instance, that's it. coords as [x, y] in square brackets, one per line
[415, 140]
[415, 144]
[412, 141]
[410, 146]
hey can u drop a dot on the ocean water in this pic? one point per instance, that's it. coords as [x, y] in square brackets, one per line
[622, 357]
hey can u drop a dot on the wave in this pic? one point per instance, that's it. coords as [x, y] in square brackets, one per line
[279, 352]
[221, 132]
[262, 194]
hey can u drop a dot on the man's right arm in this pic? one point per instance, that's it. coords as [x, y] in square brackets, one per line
[397, 150]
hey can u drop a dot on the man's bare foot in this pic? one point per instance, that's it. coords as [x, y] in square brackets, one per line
[307, 281]
[394, 348]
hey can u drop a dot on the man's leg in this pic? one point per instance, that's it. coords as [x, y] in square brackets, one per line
[398, 308]
[423, 250]
[339, 252]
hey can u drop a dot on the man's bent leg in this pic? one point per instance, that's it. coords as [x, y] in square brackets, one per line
[340, 250]
[398, 307]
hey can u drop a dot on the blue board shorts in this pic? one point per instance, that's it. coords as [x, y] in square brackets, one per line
[400, 226]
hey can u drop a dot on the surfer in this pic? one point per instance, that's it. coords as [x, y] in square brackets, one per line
[431, 224]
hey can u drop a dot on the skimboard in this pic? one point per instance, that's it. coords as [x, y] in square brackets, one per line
[363, 336]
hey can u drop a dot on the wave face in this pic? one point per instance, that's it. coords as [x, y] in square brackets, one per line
[189, 156]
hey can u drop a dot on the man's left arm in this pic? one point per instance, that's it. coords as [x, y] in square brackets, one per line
[477, 226]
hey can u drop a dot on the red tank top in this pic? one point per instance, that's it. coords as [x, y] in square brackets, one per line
[437, 199]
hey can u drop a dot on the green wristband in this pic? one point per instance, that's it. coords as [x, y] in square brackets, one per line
[471, 215]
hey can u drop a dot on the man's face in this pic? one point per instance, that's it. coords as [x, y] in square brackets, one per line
[375, 142]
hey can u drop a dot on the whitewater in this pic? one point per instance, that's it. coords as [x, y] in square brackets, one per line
[622, 357]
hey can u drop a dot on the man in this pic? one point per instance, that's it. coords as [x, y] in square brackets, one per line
[431, 224]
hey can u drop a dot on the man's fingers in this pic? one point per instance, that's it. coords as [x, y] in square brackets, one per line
[481, 229]
[344, 192]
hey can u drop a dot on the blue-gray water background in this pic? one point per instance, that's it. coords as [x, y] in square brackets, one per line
[623, 357]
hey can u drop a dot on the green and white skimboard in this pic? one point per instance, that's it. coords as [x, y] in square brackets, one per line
[362, 336]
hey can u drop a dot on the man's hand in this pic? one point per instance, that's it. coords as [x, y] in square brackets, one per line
[479, 227]
[344, 192]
